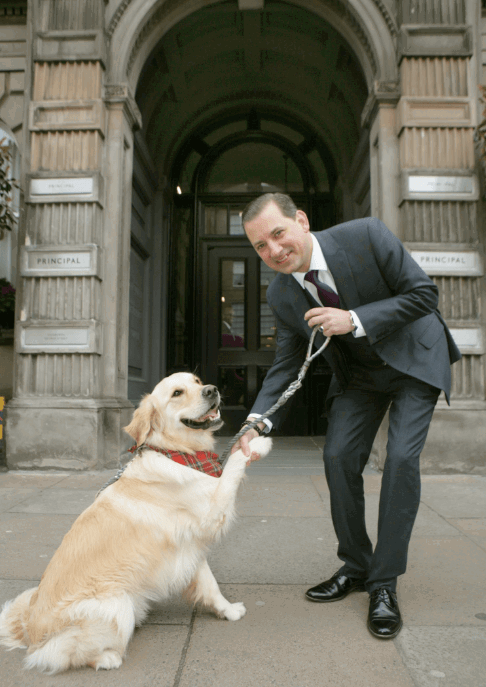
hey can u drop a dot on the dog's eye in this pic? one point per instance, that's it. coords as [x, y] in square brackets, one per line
[177, 392]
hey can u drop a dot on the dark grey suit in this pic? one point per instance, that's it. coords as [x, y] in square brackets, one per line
[402, 363]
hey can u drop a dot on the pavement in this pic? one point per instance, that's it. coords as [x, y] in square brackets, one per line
[282, 544]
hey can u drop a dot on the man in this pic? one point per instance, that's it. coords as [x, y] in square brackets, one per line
[390, 349]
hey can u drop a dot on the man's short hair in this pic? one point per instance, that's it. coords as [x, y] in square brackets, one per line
[282, 201]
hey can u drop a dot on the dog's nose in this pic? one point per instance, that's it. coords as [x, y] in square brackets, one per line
[210, 391]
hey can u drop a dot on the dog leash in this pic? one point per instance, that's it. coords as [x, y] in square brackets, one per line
[121, 470]
[294, 386]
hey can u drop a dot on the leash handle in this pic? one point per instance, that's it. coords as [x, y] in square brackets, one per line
[294, 386]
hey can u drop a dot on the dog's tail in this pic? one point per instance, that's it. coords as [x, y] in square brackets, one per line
[84, 643]
[13, 619]
[90, 632]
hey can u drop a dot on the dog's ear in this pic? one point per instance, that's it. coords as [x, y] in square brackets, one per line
[146, 419]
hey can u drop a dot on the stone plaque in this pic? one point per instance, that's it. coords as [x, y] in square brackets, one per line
[468, 340]
[440, 184]
[50, 336]
[62, 186]
[53, 336]
[60, 261]
[449, 263]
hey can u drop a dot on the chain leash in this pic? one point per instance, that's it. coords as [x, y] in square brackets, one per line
[288, 393]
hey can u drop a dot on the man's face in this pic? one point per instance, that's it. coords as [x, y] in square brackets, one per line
[284, 244]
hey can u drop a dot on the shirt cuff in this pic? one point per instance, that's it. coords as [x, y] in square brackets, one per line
[360, 330]
[254, 416]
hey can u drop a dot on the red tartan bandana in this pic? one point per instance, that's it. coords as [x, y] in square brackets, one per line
[204, 461]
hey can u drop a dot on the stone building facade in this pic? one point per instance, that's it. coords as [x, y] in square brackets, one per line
[144, 126]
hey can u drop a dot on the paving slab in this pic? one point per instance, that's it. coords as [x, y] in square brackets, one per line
[284, 640]
[456, 496]
[319, 442]
[427, 524]
[444, 583]
[152, 659]
[281, 443]
[27, 543]
[12, 496]
[282, 500]
[34, 479]
[254, 477]
[171, 612]
[294, 459]
[371, 482]
[9, 589]
[88, 480]
[65, 501]
[445, 656]
[268, 550]
[289, 461]
[473, 528]
[290, 470]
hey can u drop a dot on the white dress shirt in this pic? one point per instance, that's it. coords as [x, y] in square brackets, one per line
[318, 262]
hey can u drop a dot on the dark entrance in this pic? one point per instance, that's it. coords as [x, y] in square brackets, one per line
[220, 322]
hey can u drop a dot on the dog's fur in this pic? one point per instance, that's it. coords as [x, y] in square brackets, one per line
[144, 538]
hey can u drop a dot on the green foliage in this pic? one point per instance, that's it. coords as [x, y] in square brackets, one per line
[7, 217]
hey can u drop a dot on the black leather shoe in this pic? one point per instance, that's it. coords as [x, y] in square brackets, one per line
[384, 619]
[336, 588]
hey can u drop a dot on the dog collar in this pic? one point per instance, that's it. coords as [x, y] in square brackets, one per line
[204, 461]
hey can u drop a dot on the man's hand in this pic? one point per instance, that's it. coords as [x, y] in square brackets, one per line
[243, 443]
[332, 320]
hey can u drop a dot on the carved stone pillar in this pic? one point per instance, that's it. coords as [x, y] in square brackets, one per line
[70, 393]
[438, 208]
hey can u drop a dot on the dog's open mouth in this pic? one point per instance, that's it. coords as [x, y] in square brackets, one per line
[210, 420]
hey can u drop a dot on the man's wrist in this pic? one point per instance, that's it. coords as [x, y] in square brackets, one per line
[265, 421]
[259, 429]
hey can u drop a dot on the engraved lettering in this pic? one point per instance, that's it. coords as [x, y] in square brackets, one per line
[467, 263]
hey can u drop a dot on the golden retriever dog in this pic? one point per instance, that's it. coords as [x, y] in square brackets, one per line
[144, 538]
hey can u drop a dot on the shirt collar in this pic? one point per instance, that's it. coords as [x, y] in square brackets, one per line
[318, 261]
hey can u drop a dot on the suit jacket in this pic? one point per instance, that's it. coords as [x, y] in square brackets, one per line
[393, 297]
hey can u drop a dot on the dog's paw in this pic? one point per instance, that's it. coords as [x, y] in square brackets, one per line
[261, 445]
[234, 611]
[108, 660]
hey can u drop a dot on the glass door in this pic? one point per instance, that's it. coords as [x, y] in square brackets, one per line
[239, 333]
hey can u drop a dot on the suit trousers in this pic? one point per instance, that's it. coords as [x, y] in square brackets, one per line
[354, 419]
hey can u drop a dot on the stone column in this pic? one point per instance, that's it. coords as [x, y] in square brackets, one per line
[379, 118]
[70, 389]
[438, 208]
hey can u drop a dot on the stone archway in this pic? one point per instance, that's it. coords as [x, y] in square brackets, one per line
[188, 70]
[73, 324]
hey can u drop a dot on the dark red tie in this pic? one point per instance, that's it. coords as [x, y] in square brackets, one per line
[327, 296]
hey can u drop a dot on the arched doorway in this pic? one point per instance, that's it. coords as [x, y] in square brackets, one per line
[221, 324]
[236, 103]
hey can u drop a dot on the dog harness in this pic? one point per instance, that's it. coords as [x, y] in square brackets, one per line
[204, 461]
